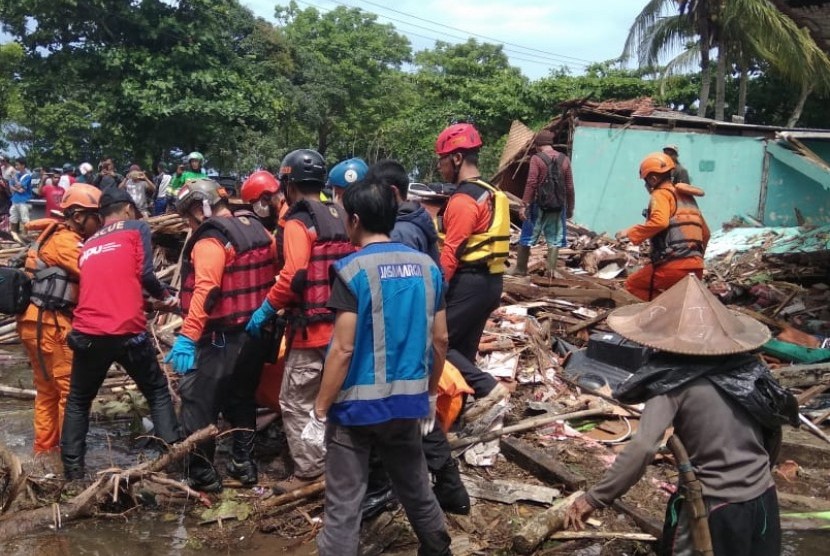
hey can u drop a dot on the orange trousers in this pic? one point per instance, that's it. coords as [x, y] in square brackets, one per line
[665, 276]
[50, 399]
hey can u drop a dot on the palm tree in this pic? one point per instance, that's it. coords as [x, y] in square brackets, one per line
[664, 26]
[738, 30]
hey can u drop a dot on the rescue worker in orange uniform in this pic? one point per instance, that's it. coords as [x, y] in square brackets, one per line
[227, 267]
[475, 229]
[52, 261]
[315, 237]
[262, 191]
[675, 226]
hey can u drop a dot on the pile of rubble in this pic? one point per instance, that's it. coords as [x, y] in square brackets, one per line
[525, 459]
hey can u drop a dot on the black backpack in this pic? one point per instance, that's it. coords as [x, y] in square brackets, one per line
[15, 290]
[551, 193]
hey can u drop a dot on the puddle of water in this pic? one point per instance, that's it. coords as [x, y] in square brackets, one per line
[142, 536]
[148, 534]
[806, 543]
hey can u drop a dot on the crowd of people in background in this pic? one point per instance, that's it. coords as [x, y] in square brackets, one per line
[153, 192]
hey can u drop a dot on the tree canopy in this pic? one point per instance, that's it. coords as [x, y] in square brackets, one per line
[144, 80]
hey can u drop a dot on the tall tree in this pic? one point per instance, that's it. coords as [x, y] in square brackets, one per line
[342, 61]
[740, 31]
[149, 75]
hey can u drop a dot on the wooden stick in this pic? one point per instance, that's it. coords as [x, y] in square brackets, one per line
[178, 485]
[297, 494]
[602, 535]
[18, 393]
[806, 396]
[583, 325]
[821, 418]
[526, 425]
[85, 504]
[543, 525]
[784, 303]
[644, 521]
[813, 428]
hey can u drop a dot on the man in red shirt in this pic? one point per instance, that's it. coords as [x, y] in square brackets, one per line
[227, 267]
[110, 326]
[545, 220]
[52, 194]
[315, 237]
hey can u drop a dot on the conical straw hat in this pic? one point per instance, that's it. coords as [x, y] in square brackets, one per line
[688, 319]
[518, 139]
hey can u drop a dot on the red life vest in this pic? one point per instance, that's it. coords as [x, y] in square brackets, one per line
[683, 238]
[313, 284]
[247, 276]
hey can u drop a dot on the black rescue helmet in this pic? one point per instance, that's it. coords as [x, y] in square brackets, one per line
[303, 165]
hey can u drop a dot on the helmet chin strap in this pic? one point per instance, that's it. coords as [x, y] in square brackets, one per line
[206, 210]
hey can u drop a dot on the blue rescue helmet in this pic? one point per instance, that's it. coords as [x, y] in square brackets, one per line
[345, 173]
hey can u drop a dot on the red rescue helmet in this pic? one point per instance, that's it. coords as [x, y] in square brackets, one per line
[656, 163]
[457, 137]
[258, 184]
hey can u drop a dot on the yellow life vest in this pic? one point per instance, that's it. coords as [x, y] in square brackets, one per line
[492, 246]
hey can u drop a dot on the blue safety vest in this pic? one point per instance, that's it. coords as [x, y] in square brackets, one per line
[398, 292]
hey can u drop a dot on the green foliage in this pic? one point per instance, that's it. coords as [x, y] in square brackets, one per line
[148, 79]
[343, 60]
[230, 507]
[11, 55]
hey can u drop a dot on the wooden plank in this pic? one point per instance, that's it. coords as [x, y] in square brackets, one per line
[808, 395]
[800, 446]
[540, 464]
[803, 503]
[643, 520]
[602, 535]
[542, 525]
[803, 376]
[509, 492]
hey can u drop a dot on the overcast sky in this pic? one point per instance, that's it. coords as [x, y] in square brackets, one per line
[538, 35]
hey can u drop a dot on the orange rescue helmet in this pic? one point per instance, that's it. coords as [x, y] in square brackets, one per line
[258, 184]
[656, 163]
[457, 137]
[82, 196]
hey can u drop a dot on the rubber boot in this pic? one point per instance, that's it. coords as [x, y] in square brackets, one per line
[73, 467]
[434, 543]
[243, 471]
[450, 491]
[553, 257]
[522, 255]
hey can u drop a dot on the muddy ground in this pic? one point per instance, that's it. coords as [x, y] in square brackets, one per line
[183, 528]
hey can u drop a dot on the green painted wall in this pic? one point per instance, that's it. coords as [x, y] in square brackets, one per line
[788, 189]
[610, 195]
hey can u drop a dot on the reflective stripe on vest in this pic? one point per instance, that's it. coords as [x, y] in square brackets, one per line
[377, 389]
[332, 244]
[683, 238]
[246, 279]
[492, 246]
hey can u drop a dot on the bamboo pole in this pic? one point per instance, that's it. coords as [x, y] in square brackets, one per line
[526, 425]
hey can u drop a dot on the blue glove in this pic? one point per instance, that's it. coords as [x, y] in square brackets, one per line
[265, 312]
[183, 355]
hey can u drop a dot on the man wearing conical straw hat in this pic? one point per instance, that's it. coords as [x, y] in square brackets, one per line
[726, 409]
